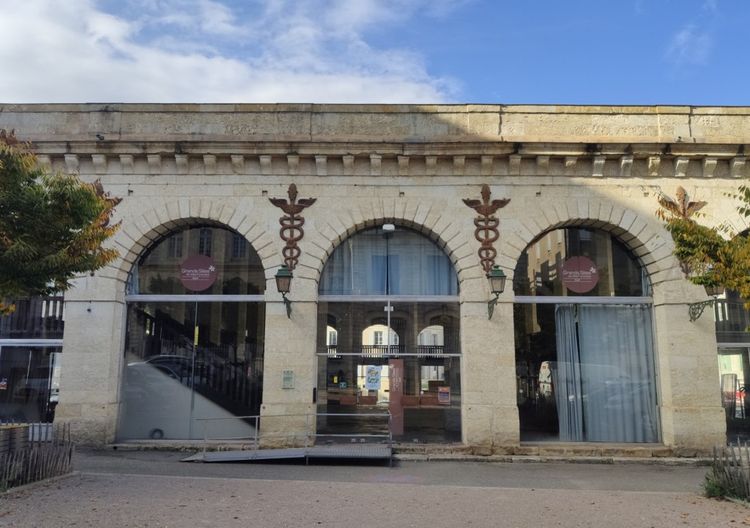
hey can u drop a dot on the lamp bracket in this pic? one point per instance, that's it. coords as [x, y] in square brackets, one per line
[287, 305]
[491, 305]
[695, 310]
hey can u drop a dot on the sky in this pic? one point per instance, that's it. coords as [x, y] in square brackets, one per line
[629, 52]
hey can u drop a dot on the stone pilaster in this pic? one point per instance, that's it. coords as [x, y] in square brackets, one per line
[687, 370]
[489, 414]
[92, 359]
[290, 346]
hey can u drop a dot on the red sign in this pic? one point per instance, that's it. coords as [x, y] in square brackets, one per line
[444, 395]
[395, 395]
[197, 272]
[579, 274]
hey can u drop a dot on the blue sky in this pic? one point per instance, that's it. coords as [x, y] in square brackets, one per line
[382, 51]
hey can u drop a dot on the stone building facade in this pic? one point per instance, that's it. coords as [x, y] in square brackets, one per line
[578, 171]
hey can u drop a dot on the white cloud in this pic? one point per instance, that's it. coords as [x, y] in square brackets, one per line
[689, 46]
[711, 5]
[207, 51]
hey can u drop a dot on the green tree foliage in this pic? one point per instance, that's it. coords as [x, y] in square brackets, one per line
[52, 226]
[710, 256]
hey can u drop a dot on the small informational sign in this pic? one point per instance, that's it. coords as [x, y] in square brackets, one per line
[372, 377]
[579, 274]
[287, 379]
[444, 395]
[198, 273]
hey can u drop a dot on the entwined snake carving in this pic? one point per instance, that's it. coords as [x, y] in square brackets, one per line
[291, 225]
[486, 225]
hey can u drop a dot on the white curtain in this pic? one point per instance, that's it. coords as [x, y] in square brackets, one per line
[566, 376]
[413, 264]
[617, 373]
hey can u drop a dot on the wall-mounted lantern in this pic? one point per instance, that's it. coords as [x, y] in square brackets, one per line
[284, 285]
[695, 310]
[497, 278]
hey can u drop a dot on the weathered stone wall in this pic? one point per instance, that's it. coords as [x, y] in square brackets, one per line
[598, 166]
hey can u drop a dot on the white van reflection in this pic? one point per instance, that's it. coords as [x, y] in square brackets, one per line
[157, 403]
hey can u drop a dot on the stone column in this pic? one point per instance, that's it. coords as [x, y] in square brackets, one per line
[92, 359]
[290, 345]
[692, 419]
[489, 414]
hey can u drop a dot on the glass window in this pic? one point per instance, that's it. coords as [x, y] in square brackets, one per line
[401, 262]
[191, 361]
[35, 318]
[578, 262]
[239, 246]
[584, 372]
[427, 397]
[29, 383]
[174, 246]
[205, 241]
[388, 355]
[193, 367]
[234, 272]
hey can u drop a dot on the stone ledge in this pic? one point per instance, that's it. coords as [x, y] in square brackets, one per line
[519, 459]
[447, 452]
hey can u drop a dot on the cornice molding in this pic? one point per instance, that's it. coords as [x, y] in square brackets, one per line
[403, 160]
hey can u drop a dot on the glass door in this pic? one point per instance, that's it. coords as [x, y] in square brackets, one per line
[400, 357]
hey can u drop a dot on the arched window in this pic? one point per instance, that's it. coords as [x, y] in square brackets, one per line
[380, 291]
[377, 262]
[164, 268]
[584, 344]
[194, 338]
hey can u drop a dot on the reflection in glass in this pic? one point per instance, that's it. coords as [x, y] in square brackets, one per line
[189, 361]
[355, 368]
[539, 269]
[734, 373]
[586, 373]
[35, 318]
[29, 383]
[238, 271]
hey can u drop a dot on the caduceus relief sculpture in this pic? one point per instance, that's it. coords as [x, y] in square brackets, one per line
[291, 224]
[486, 225]
[487, 234]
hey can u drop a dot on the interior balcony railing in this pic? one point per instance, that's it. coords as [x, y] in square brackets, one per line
[732, 321]
[35, 318]
[381, 351]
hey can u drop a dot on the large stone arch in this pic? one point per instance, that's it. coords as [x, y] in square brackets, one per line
[142, 230]
[648, 241]
[423, 217]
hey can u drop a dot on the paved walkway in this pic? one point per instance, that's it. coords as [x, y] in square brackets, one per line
[153, 489]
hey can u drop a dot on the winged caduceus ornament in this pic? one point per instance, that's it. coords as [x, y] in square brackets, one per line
[486, 224]
[291, 231]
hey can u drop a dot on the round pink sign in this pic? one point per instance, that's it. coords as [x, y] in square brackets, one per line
[197, 272]
[579, 274]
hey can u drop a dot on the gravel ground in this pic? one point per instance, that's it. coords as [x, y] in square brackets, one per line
[145, 489]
